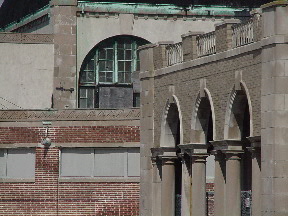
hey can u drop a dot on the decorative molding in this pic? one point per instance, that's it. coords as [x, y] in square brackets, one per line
[26, 38]
[69, 115]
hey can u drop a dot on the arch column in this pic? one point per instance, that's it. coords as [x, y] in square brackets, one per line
[219, 183]
[256, 174]
[168, 185]
[233, 182]
[199, 207]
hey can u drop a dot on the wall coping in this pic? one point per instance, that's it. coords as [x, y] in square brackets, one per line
[276, 39]
[69, 115]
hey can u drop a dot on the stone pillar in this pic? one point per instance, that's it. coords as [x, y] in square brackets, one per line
[156, 186]
[219, 184]
[147, 128]
[199, 207]
[274, 109]
[168, 186]
[233, 183]
[63, 16]
[189, 45]
[186, 186]
[256, 175]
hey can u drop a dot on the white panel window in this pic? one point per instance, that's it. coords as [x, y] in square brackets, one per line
[100, 162]
[77, 162]
[17, 163]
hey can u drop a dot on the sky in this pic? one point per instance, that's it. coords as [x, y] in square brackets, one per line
[1, 1]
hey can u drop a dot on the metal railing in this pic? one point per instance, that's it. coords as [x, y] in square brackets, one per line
[243, 33]
[174, 53]
[206, 44]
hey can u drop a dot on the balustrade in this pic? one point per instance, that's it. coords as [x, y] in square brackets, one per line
[206, 44]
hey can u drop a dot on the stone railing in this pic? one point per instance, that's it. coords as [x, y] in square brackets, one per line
[174, 53]
[206, 44]
[243, 33]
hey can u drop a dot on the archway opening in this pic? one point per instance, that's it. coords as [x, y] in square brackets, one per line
[239, 129]
[171, 137]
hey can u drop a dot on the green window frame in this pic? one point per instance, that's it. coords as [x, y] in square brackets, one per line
[109, 63]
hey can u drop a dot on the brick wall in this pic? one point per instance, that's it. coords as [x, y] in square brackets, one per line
[79, 134]
[49, 196]
[210, 198]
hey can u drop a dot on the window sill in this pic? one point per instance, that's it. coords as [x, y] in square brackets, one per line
[17, 180]
[99, 179]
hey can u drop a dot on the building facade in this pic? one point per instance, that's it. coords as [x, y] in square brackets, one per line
[70, 96]
[222, 96]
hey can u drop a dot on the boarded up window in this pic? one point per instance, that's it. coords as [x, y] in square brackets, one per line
[77, 162]
[100, 162]
[17, 163]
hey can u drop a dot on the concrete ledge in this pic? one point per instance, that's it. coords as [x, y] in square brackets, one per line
[19, 145]
[98, 179]
[274, 4]
[12, 180]
[99, 145]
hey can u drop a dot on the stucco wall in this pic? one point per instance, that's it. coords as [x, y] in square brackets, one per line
[90, 30]
[26, 72]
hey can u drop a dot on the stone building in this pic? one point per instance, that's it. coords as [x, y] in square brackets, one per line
[222, 95]
[70, 117]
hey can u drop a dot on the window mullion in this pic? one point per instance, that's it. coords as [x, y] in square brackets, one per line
[6, 159]
[134, 57]
[115, 69]
[96, 66]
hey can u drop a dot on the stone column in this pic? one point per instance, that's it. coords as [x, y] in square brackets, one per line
[219, 184]
[199, 184]
[186, 185]
[156, 186]
[63, 18]
[168, 186]
[233, 183]
[256, 175]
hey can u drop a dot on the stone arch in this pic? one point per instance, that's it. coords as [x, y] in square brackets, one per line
[203, 119]
[171, 124]
[238, 118]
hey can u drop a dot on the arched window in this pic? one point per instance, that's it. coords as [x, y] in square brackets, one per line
[110, 63]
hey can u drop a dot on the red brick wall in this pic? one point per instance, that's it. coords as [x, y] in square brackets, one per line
[48, 196]
[210, 198]
[80, 134]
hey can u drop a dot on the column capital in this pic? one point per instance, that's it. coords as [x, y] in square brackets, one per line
[233, 155]
[228, 145]
[168, 160]
[199, 158]
[193, 148]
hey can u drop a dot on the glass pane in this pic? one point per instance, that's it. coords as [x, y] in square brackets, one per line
[128, 55]
[91, 76]
[120, 66]
[82, 93]
[82, 76]
[83, 103]
[120, 54]
[128, 66]
[110, 54]
[121, 77]
[128, 44]
[109, 66]
[120, 44]
[90, 98]
[133, 162]
[101, 65]
[127, 77]
[102, 54]
[90, 65]
[2, 163]
[102, 76]
[109, 77]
